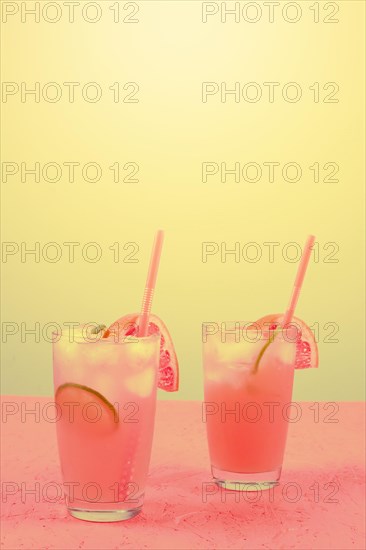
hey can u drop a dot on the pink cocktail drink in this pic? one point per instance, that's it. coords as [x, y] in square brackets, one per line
[247, 406]
[105, 393]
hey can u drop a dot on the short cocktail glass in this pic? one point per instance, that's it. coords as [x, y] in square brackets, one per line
[105, 394]
[247, 406]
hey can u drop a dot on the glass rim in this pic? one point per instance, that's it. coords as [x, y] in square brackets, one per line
[250, 333]
[87, 338]
[252, 325]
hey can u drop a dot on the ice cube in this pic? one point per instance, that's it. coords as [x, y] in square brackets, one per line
[142, 383]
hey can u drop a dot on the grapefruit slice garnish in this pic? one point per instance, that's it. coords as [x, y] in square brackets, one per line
[86, 409]
[306, 346]
[168, 377]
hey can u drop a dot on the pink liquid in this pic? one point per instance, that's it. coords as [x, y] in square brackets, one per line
[105, 438]
[253, 438]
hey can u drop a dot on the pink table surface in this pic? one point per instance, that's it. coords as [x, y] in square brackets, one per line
[319, 503]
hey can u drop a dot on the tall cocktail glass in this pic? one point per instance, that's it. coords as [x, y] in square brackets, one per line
[105, 394]
[247, 403]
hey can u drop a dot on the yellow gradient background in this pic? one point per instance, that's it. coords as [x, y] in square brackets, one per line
[169, 133]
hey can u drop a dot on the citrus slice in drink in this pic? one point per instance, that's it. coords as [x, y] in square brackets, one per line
[168, 377]
[306, 346]
[85, 409]
[95, 445]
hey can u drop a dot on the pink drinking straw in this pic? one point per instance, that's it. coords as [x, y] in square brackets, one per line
[298, 281]
[150, 283]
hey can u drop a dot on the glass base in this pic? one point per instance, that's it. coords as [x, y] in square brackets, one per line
[105, 516]
[257, 481]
